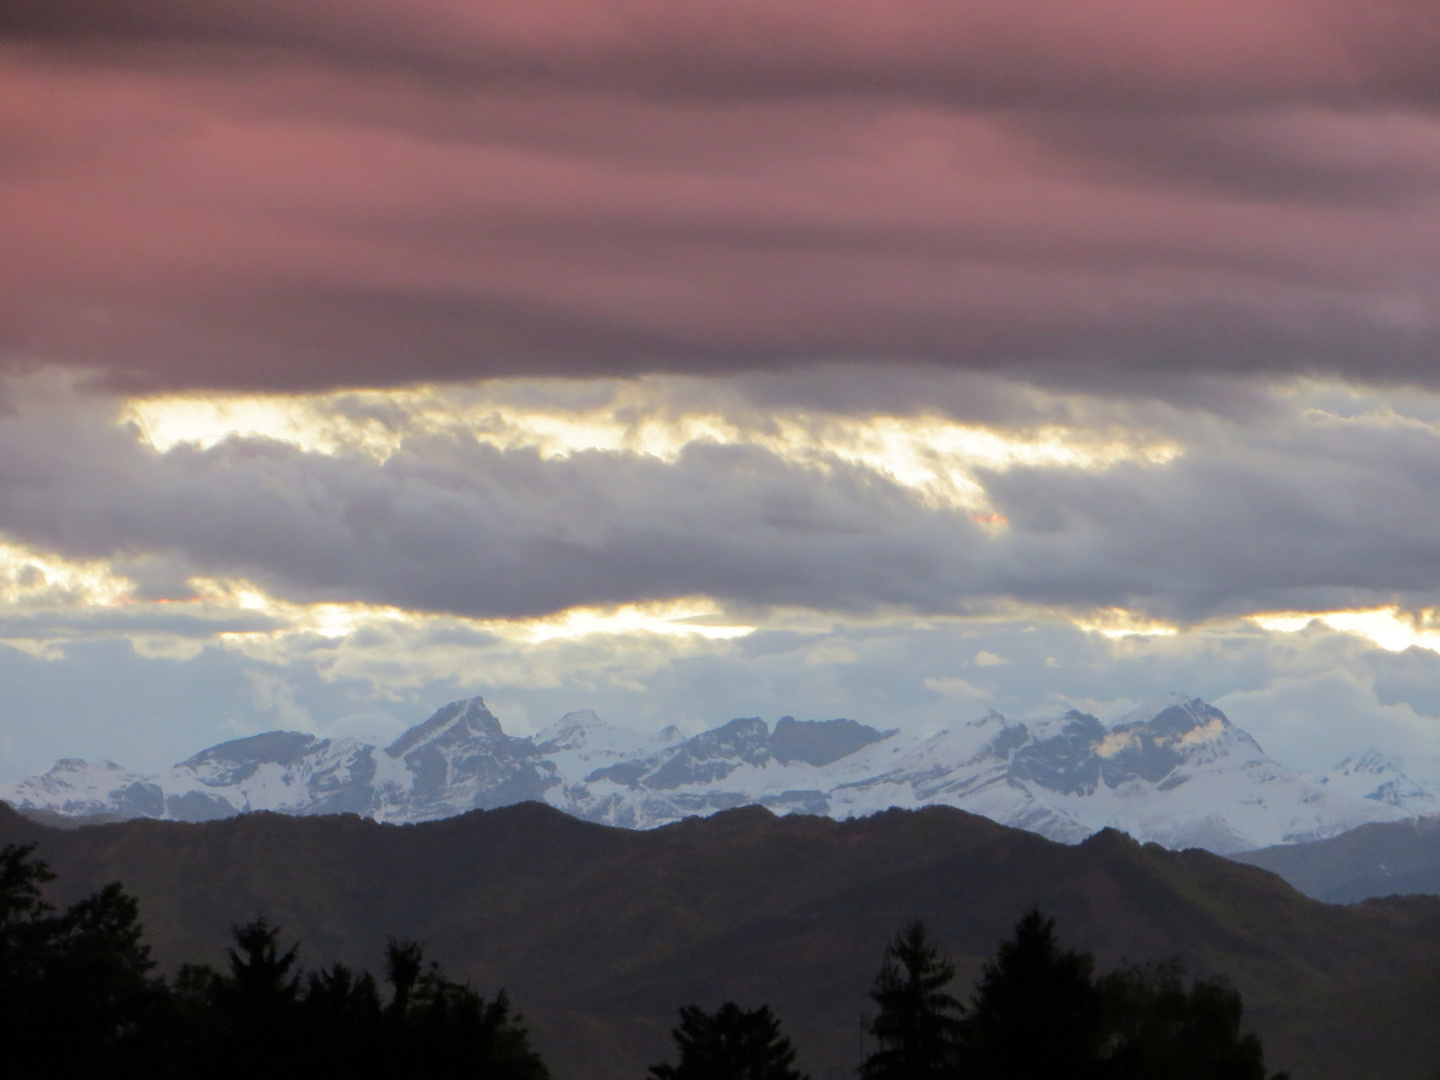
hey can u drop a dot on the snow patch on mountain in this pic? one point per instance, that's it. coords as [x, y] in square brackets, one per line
[1372, 775]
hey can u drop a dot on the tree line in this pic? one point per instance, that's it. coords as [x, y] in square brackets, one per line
[79, 998]
[1038, 1012]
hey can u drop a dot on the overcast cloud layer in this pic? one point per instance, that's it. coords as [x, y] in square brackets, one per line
[881, 359]
[321, 193]
[1309, 508]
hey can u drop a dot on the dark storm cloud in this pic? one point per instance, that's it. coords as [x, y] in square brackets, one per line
[1333, 516]
[313, 193]
[451, 525]
[1297, 513]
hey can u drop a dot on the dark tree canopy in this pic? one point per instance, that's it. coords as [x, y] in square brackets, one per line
[919, 1021]
[1040, 1013]
[75, 987]
[78, 1000]
[1035, 1014]
[1160, 1027]
[730, 1044]
[264, 1017]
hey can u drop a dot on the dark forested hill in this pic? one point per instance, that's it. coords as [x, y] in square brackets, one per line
[601, 933]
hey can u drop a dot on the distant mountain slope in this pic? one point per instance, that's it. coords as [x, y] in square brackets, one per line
[1375, 776]
[600, 933]
[1176, 772]
[1384, 859]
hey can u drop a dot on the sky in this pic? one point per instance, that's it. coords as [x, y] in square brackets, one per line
[895, 359]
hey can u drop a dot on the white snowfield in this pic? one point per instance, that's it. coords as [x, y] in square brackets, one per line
[1176, 772]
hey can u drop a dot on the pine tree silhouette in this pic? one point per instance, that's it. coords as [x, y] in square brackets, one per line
[919, 1022]
[343, 1024]
[257, 1005]
[730, 1044]
[1036, 1013]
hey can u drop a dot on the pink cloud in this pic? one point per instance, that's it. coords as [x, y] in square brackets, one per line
[311, 194]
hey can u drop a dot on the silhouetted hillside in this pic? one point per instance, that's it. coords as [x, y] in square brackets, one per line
[600, 933]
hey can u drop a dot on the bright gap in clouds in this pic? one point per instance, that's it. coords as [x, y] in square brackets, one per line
[931, 455]
[1388, 628]
[33, 580]
[32, 577]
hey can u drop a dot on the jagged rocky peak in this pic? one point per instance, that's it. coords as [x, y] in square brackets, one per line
[1182, 720]
[715, 754]
[1152, 748]
[994, 716]
[230, 762]
[1058, 755]
[819, 742]
[571, 731]
[1149, 710]
[1074, 753]
[457, 722]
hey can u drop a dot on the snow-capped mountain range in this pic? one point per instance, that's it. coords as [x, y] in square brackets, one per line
[1175, 771]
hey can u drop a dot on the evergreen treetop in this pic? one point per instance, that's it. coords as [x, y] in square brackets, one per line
[919, 1020]
[731, 1043]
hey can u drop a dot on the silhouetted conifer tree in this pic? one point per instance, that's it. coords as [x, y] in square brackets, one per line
[343, 1023]
[730, 1044]
[919, 1021]
[1036, 1013]
[259, 1002]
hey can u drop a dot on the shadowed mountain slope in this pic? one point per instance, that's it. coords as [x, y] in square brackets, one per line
[1384, 859]
[600, 933]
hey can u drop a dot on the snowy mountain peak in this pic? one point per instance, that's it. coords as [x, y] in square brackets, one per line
[1175, 771]
[991, 717]
[572, 729]
[233, 761]
[1149, 710]
[715, 754]
[1371, 763]
[820, 742]
[451, 723]
[78, 765]
[1378, 778]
